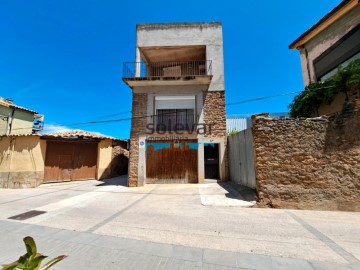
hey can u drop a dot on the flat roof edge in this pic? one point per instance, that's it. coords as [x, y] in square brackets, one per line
[154, 26]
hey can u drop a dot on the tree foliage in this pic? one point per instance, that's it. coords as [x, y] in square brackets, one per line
[317, 93]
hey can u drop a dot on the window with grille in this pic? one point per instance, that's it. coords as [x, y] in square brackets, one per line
[174, 119]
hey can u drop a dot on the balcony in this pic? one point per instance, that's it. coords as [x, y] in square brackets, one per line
[167, 73]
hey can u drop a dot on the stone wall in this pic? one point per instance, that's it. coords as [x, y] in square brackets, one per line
[308, 163]
[138, 126]
[214, 115]
[120, 158]
[112, 159]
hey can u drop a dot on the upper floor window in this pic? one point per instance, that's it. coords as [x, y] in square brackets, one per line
[174, 113]
[340, 54]
[174, 119]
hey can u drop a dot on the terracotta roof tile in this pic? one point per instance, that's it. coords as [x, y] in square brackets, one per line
[7, 103]
[71, 134]
[76, 134]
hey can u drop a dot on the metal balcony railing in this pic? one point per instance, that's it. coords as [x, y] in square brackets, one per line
[167, 69]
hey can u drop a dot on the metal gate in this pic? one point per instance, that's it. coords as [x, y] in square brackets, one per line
[172, 162]
[241, 158]
[70, 161]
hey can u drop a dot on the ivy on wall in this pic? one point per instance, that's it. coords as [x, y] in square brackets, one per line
[317, 93]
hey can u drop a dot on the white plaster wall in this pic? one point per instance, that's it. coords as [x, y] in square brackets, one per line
[187, 34]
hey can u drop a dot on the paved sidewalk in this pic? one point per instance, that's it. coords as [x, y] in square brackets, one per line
[93, 251]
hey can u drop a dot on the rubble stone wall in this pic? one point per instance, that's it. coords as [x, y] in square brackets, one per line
[308, 163]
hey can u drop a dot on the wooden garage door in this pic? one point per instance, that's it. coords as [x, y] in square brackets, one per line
[171, 162]
[70, 161]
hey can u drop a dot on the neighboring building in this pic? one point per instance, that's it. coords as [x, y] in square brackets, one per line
[31, 159]
[237, 123]
[178, 131]
[243, 121]
[17, 120]
[332, 42]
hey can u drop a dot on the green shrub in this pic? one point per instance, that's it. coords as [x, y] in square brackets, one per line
[232, 132]
[317, 93]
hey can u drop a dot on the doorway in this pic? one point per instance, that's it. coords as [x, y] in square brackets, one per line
[211, 159]
[171, 162]
[67, 160]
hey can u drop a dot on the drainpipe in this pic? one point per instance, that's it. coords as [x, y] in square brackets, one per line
[12, 149]
[307, 64]
[10, 121]
[4, 118]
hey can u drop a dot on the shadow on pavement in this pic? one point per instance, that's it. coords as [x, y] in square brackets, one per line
[116, 181]
[247, 194]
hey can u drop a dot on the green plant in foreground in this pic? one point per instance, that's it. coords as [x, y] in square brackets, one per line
[32, 260]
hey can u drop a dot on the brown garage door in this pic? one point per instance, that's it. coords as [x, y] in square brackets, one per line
[171, 162]
[70, 161]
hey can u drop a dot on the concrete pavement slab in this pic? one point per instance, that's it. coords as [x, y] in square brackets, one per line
[252, 261]
[280, 263]
[222, 195]
[219, 257]
[330, 266]
[170, 223]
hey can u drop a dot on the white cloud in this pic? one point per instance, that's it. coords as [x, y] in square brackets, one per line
[53, 128]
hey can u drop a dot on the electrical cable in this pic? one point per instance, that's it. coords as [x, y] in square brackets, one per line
[90, 123]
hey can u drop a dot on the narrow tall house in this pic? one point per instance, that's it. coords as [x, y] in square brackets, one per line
[178, 131]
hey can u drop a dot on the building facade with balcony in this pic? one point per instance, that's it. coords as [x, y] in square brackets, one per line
[178, 132]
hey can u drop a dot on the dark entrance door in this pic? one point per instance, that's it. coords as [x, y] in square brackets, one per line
[171, 162]
[211, 157]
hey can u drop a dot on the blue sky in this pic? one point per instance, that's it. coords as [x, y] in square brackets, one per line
[64, 58]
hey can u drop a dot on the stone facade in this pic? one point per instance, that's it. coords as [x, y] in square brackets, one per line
[138, 127]
[215, 115]
[120, 158]
[308, 163]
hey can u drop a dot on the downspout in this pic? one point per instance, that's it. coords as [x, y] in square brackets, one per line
[7, 124]
[10, 121]
[34, 164]
[307, 64]
[12, 143]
